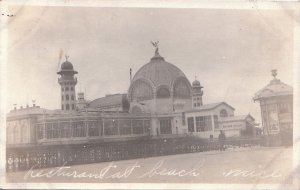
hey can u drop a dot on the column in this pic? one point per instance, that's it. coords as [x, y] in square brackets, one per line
[213, 123]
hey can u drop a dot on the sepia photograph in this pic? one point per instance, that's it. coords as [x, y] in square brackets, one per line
[121, 96]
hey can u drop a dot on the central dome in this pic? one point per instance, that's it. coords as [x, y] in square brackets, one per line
[159, 72]
[159, 79]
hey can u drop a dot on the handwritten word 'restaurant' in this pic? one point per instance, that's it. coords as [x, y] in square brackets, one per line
[64, 171]
[111, 171]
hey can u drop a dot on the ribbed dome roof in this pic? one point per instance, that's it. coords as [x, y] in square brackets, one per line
[66, 66]
[159, 72]
[274, 88]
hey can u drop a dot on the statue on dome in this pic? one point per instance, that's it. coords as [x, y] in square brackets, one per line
[155, 44]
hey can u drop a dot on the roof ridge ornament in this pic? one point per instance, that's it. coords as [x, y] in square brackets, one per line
[274, 73]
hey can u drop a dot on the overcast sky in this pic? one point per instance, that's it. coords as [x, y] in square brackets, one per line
[230, 51]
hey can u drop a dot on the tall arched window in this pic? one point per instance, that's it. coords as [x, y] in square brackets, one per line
[72, 97]
[223, 113]
[72, 88]
[17, 134]
[181, 89]
[163, 93]
[62, 97]
[23, 133]
[67, 107]
[67, 88]
[141, 91]
[67, 97]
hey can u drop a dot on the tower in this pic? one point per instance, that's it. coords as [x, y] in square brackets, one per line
[67, 82]
[197, 94]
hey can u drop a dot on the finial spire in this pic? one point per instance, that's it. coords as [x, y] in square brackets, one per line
[67, 57]
[130, 75]
[274, 73]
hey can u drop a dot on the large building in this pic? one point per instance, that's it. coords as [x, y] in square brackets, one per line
[160, 103]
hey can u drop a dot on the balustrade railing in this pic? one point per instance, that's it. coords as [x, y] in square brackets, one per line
[41, 157]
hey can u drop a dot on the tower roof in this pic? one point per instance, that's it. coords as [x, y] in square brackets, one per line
[196, 83]
[274, 88]
[67, 67]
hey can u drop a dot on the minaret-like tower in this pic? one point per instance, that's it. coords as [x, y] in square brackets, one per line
[197, 94]
[67, 82]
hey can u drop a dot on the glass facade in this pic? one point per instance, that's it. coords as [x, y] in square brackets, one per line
[181, 89]
[95, 127]
[165, 126]
[137, 127]
[141, 91]
[203, 123]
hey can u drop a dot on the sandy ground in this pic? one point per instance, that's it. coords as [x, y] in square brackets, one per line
[251, 166]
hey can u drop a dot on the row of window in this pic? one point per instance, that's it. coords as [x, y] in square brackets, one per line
[68, 97]
[68, 107]
[67, 88]
[93, 128]
[141, 90]
[203, 123]
[195, 99]
[197, 104]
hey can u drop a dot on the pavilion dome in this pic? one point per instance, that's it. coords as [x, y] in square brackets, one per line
[274, 88]
[157, 76]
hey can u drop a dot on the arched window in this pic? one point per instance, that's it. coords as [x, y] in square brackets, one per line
[181, 89]
[67, 88]
[73, 107]
[62, 88]
[141, 91]
[72, 88]
[163, 93]
[72, 97]
[67, 97]
[223, 113]
[62, 97]
[67, 107]
[62, 107]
